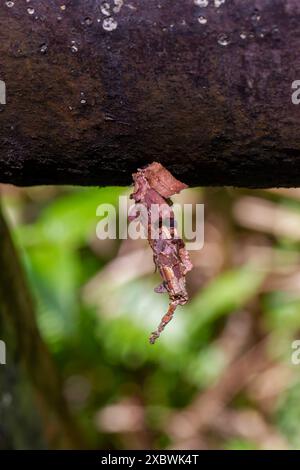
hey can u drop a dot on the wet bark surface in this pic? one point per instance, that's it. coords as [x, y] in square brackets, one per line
[97, 89]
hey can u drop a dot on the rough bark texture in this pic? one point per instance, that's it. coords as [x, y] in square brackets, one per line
[90, 97]
[33, 412]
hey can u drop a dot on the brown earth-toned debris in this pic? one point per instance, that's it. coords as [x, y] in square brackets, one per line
[153, 186]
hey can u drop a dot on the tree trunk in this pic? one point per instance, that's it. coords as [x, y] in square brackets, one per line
[33, 412]
[91, 97]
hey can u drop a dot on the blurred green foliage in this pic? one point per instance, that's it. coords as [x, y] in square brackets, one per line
[101, 346]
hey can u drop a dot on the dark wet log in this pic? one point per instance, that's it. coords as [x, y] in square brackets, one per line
[91, 97]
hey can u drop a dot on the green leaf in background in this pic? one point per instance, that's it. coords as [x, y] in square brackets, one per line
[282, 312]
[224, 295]
[240, 444]
[51, 254]
[70, 218]
[288, 415]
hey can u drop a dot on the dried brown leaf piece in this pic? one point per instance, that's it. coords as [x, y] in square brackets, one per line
[160, 179]
[153, 186]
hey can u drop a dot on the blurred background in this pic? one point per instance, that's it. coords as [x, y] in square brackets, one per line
[221, 376]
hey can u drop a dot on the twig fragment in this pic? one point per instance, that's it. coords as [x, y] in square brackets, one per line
[153, 186]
